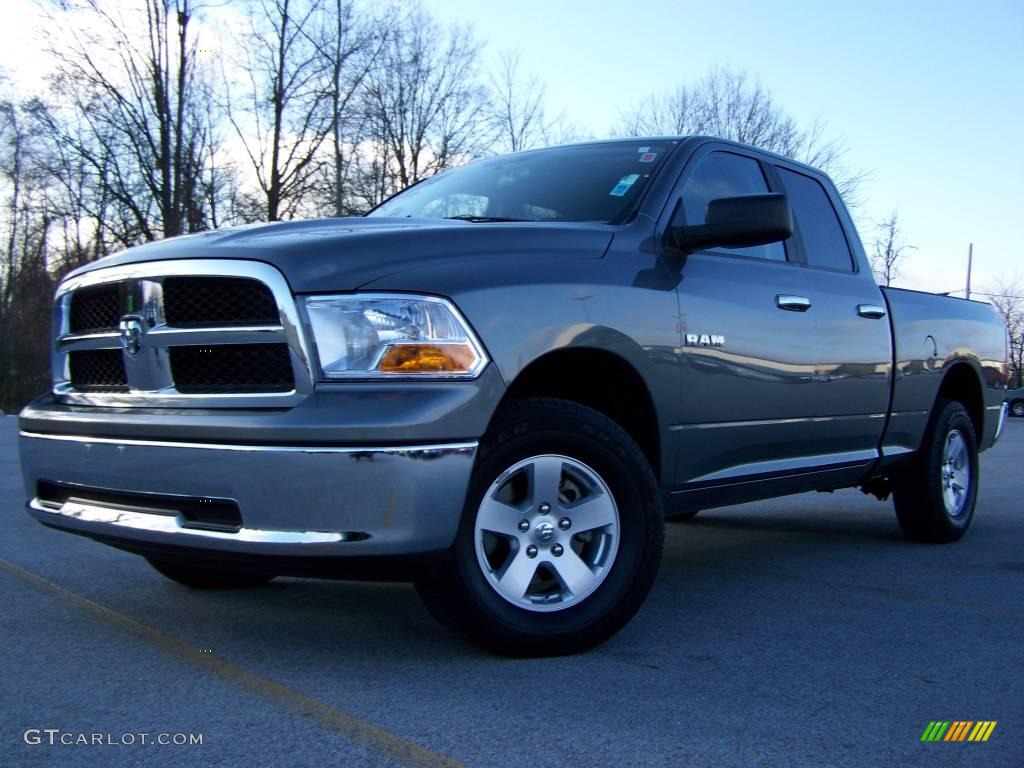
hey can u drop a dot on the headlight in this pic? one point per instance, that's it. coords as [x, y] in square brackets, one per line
[360, 336]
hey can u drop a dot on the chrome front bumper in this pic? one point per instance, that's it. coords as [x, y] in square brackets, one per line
[293, 500]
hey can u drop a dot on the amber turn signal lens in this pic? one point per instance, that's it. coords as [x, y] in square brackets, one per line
[427, 358]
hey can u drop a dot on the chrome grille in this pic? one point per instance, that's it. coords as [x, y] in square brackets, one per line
[183, 333]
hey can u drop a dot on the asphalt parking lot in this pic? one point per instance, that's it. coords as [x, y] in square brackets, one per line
[798, 632]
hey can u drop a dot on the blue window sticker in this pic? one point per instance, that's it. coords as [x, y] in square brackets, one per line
[624, 184]
[642, 150]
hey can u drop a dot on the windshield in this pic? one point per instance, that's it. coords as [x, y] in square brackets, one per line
[589, 182]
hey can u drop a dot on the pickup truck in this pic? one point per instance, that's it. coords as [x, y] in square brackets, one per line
[502, 381]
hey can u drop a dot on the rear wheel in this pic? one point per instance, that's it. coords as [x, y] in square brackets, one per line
[935, 497]
[207, 578]
[1017, 408]
[560, 538]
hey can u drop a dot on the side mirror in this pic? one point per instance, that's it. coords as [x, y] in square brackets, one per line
[735, 222]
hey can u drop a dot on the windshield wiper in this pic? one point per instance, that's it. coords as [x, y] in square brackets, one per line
[481, 219]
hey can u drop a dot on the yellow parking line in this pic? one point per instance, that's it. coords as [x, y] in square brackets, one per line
[358, 732]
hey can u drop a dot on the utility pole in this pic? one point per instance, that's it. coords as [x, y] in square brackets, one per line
[970, 259]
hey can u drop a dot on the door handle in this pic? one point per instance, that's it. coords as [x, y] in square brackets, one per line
[872, 311]
[792, 303]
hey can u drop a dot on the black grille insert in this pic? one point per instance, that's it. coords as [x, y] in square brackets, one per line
[231, 368]
[95, 309]
[218, 301]
[97, 370]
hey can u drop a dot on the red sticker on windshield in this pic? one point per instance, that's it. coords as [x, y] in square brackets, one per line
[648, 157]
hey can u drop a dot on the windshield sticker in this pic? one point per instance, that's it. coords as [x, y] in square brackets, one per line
[648, 157]
[624, 184]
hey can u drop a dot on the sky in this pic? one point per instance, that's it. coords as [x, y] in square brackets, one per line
[928, 96]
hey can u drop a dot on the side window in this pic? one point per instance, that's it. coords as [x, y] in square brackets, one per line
[723, 174]
[817, 222]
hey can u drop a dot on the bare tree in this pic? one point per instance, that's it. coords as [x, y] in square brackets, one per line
[728, 104]
[350, 46]
[285, 117]
[126, 82]
[1007, 296]
[11, 166]
[78, 205]
[425, 108]
[517, 107]
[25, 283]
[889, 250]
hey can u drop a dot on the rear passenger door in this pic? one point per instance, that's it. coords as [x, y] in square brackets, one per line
[749, 349]
[854, 342]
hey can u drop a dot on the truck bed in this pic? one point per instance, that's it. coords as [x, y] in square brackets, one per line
[932, 333]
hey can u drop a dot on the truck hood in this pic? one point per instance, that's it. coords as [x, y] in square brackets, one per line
[344, 254]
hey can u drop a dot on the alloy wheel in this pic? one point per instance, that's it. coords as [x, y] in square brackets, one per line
[546, 532]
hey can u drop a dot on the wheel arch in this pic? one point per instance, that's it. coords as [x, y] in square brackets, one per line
[961, 382]
[602, 380]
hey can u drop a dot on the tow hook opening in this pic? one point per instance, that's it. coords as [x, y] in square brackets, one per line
[201, 512]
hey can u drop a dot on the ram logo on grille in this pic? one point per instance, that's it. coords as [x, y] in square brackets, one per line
[132, 329]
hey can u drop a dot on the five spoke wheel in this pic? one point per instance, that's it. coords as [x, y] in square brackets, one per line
[547, 532]
[560, 536]
[936, 491]
[956, 473]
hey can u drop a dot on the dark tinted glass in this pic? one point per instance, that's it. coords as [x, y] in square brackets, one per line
[723, 174]
[594, 182]
[817, 222]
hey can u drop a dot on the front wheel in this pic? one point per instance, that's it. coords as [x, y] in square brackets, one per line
[935, 497]
[561, 535]
[207, 578]
[1017, 408]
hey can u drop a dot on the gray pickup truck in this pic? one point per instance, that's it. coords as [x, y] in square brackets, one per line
[502, 381]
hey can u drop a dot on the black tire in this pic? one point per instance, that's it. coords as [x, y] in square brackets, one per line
[1017, 408]
[921, 498]
[208, 578]
[682, 517]
[460, 594]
